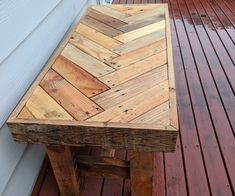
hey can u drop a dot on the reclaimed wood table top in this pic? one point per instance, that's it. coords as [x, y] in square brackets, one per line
[110, 83]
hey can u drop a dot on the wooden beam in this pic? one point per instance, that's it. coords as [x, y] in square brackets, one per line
[106, 135]
[142, 173]
[63, 164]
[103, 167]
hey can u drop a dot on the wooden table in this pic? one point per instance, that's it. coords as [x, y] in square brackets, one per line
[110, 84]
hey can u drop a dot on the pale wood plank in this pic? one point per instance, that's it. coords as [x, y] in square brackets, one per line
[138, 8]
[76, 104]
[172, 92]
[87, 62]
[131, 88]
[158, 115]
[91, 48]
[78, 77]
[122, 75]
[141, 23]
[25, 114]
[139, 43]
[136, 106]
[101, 27]
[108, 20]
[137, 55]
[157, 11]
[131, 35]
[42, 106]
[97, 37]
[107, 10]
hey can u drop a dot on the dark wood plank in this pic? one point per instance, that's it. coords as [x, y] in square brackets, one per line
[142, 173]
[109, 167]
[93, 185]
[114, 186]
[195, 170]
[49, 186]
[219, 48]
[41, 177]
[75, 133]
[62, 161]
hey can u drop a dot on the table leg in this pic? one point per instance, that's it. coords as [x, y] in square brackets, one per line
[62, 161]
[142, 173]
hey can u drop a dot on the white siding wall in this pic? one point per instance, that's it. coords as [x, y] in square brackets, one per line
[30, 30]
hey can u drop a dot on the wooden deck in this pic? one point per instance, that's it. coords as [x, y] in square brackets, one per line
[203, 35]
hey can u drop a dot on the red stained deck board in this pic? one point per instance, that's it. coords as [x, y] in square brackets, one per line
[203, 164]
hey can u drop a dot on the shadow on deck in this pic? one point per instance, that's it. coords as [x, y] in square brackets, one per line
[203, 37]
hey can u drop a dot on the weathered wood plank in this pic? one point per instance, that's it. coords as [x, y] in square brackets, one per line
[110, 21]
[141, 23]
[140, 32]
[76, 104]
[132, 10]
[158, 115]
[122, 75]
[91, 48]
[42, 106]
[131, 88]
[139, 43]
[157, 11]
[107, 10]
[90, 64]
[137, 55]
[25, 114]
[173, 105]
[103, 167]
[135, 106]
[78, 77]
[149, 137]
[100, 27]
[97, 37]
[62, 161]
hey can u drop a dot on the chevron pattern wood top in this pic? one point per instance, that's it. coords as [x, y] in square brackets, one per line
[115, 69]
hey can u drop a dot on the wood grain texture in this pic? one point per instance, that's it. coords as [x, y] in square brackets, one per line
[77, 104]
[142, 173]
[42, 106]
[132, 35]
[113, 135]
[78, 77]
[97, 37]
[100, 26]
[137, 55]
[134, 70]
[131, 88]
[62, 161]
[91, 48]
[103, 166]
[111, 21]
[85, 61]
[131, 108]
[132, 10]
[139, 43]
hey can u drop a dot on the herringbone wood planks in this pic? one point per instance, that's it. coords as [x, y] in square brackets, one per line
[115, 70]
